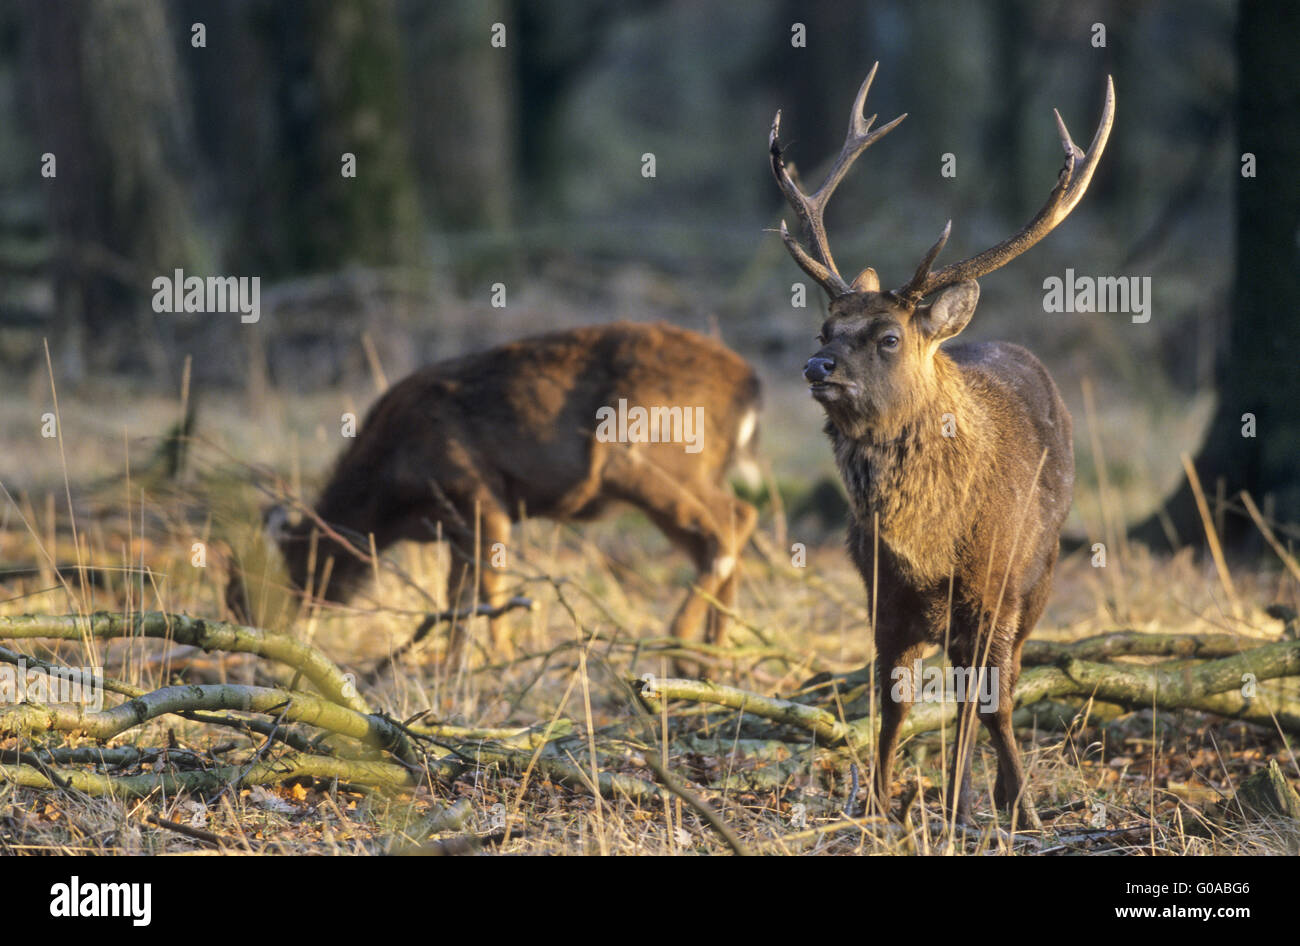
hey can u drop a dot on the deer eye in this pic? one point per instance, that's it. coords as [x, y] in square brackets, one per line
[889, 342]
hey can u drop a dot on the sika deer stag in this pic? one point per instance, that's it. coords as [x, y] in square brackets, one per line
[462, 448]
[958, 461]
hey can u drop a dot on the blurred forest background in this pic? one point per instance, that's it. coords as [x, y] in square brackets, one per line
[522, 164]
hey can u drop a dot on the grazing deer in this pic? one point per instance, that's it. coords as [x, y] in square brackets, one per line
[958, 460]
[467, 446]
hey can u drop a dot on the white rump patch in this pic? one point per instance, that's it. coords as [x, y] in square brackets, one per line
[743, 464]
[748, 424]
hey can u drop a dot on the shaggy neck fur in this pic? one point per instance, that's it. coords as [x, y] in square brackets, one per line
[913, 480]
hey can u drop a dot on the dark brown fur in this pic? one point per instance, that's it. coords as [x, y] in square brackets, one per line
[959, 462]
[498, 434]
[966, 526]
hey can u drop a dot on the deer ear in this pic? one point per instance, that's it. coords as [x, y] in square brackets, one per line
[866, 281]
[950, 313]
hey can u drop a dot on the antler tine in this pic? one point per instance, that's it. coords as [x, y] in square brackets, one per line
[1070, 187]
[860, 137]
[923, 270]
[810, 209]
[816, 270]
[825, 275]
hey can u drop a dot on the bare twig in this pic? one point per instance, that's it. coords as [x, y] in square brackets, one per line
[705, 811]
[197, 834]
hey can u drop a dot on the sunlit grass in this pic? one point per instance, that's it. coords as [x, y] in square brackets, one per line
[598, 592]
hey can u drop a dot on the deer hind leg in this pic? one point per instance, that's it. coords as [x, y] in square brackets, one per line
[960, 797]
[1010, 788]
[1031, 609]
[697, 519]
[737, 531]
[702, 545]
[713, 529]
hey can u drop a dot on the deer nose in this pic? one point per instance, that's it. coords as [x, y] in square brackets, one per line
[819, 368]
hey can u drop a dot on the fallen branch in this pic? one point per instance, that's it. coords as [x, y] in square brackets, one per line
[262, 728]
[116, 757]
[479, 611]
[341, 711]
[825, 726]
[1137, 644]
[35, 718]
[208, 782]
[1214, 686]
[208, 635]
[50, 668]
[529, 737]
[452, 818]
[1123, 642]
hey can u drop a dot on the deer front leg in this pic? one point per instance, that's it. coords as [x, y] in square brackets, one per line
[1010, 791]
[992, 673]
[892, 714]
[963, 656]
[897, 694]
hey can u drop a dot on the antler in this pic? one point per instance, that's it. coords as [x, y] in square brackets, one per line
[1069, 190]
[810, 209]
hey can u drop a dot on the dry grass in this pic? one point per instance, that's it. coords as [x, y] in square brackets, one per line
[603, 597]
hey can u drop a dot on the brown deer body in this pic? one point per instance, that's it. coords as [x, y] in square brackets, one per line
[469, 445]
[958, 462]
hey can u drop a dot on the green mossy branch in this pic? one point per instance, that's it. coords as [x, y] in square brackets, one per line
[1213, 686]
[29, 719]
[211, 781]
[196, 632]
[1137, 644]
[1206, 672]
[823, 724]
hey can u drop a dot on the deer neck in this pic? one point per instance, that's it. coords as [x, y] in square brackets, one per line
[914, 485]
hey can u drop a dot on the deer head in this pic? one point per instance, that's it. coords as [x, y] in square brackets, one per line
[877, 363]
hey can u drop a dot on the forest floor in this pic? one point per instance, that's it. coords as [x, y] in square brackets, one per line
[1107, 781]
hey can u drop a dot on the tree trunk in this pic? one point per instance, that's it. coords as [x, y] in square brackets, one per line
[1257, 371]
[108, 106]
[335, 88]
